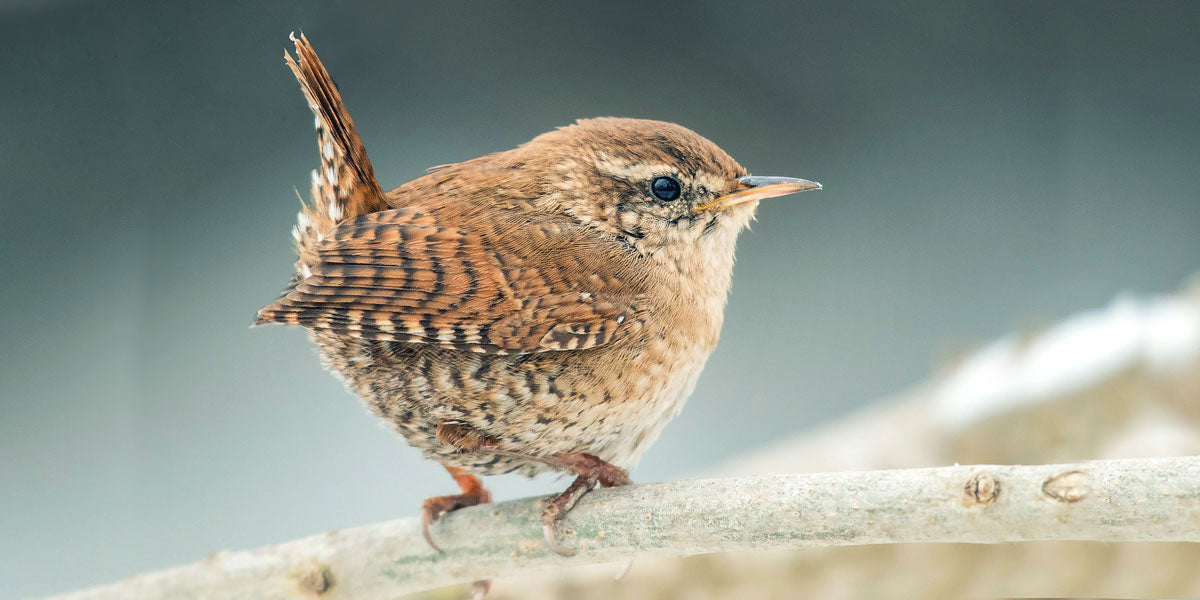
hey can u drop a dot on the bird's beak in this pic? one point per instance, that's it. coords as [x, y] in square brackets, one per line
[751, 188]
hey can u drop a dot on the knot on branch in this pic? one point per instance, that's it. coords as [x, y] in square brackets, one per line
[981, 488]
[1068, 487]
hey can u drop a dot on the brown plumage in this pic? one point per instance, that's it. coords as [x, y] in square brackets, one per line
[544, 308]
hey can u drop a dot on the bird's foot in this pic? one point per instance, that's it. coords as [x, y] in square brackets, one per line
[559, 507]
[589, 471]
[473, 493]
[436, 506]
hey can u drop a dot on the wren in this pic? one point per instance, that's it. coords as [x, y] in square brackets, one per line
[545, 308]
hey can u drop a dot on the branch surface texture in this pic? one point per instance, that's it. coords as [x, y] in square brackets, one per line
[1156, 499]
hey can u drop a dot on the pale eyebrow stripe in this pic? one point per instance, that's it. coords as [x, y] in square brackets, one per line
[608, 165]
[629, 171]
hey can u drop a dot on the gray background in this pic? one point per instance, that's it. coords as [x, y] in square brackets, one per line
[988, 166]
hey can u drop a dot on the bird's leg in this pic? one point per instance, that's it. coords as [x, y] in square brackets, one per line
[589, 471]
[473, 493]
[463, 439]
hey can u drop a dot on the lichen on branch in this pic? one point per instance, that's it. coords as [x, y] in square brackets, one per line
[1155, 499]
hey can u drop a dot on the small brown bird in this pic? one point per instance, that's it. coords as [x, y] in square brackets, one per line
[549, 307]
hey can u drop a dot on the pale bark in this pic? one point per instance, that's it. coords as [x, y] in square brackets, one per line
[1156, 499]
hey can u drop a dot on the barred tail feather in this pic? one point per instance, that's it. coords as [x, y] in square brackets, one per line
[344, 186]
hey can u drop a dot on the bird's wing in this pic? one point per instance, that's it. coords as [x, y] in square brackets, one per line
[508, 288]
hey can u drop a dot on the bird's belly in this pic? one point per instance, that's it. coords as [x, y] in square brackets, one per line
[610, 402]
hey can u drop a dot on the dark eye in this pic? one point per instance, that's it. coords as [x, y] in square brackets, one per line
[664, 188]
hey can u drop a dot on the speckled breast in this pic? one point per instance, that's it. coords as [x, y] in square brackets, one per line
[609, 402]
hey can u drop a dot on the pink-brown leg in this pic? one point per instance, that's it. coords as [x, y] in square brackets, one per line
[589, 471]
[473, 493]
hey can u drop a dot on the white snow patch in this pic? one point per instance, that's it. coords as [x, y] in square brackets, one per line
[1160, 334]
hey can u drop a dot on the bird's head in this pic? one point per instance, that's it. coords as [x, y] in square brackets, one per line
[659, 187]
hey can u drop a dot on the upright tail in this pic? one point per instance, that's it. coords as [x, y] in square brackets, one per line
[344, 186]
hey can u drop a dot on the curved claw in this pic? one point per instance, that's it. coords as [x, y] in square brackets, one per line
[428, 517]
[473, 493]
[549, 531]
[559, 506]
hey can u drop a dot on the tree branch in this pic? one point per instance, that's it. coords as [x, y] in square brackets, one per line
[1117, 500]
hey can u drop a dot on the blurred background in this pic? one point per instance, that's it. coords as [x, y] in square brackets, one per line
[987, 166]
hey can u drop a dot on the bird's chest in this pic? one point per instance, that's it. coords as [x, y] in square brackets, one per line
[612, 402]
[649, 393]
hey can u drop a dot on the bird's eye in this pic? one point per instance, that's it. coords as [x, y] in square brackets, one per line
[665, 188]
